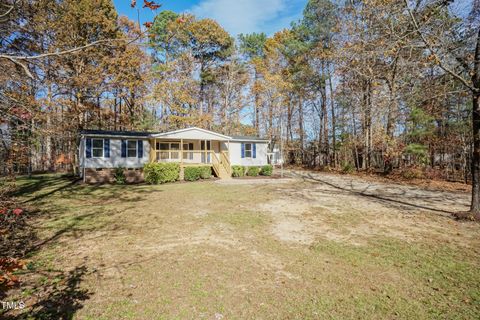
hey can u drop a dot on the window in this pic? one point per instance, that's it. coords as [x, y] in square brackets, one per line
[248, 150]
[132, 148]
[97, 148]
[188, 155]
[174, 147]
[163, 154]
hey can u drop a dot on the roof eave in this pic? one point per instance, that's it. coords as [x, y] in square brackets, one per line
[98, 135]
[250, 140]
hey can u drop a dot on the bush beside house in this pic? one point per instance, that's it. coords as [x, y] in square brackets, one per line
[238, 171]
[119, 175]
[196, 173]
[253, 171]
[241, 171]
[267, 170]
[156, 173]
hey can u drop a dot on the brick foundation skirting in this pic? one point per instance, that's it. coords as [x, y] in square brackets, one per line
[106, 175]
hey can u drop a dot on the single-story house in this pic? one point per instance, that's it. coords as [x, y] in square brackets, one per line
[102, 151]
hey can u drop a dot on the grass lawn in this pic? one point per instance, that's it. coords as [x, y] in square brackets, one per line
[300, 249]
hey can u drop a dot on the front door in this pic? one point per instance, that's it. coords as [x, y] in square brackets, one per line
[205, 145]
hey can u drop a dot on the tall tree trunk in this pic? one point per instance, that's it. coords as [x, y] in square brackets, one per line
[475, 206]
[392, 106]
[300, 127]
[332, 106]
[367, 128]
[325, 117]
[257, 104]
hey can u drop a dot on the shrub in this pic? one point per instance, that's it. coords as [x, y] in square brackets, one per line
[253, 171]
[238, 171]
[119, 175]
[347, 168]
[192, 173]
[205, 172]
[267, 170]
[156, 173]
[195, 173]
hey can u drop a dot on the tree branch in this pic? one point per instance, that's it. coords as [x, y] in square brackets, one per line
[24, 67]
[59, 53]
[7, 12]
[437, 58]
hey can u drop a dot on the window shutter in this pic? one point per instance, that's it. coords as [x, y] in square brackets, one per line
[124, 148]
[88, 148]
[243, 150]
[106, 148]
[254, 152]
[140, 148]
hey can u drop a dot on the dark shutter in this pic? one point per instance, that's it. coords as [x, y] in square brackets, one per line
[124, 148]
[254, 152]
[106, 148]
[140, 148]
[88, 148]
[243, 150]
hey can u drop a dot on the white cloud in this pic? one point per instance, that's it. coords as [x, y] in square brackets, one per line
[246, 16]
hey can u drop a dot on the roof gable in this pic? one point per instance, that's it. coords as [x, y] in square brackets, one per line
[192, 133]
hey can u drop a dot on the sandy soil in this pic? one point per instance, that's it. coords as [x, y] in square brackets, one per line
[306, 211]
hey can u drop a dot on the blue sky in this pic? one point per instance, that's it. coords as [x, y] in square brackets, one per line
[236, 16]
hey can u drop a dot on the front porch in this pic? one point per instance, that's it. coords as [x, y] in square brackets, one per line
[193, 152]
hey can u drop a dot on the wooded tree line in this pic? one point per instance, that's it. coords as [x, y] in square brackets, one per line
[381, 85]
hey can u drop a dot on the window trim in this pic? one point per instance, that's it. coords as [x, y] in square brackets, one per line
[97, 148]
[136, 149]
[250, 150]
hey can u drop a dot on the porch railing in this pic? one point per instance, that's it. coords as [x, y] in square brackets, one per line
[186, 156]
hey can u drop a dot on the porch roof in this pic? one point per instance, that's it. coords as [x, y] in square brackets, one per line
[192, 133]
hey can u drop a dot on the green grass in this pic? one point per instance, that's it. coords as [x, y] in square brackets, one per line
[193, 250]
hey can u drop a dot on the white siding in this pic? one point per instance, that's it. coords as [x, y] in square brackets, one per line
[236, 154]
[115, 159]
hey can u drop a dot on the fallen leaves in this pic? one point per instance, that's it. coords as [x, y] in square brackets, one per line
[7, 268]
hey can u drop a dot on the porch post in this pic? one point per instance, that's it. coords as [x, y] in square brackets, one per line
[181, 152]
[206, 147]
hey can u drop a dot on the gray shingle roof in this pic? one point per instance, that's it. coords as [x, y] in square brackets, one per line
[116, 133]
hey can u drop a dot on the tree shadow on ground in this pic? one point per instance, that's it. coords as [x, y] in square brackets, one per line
[50, 299]
[384, 197]
[60, 301]
[37, 189]
[34, 184]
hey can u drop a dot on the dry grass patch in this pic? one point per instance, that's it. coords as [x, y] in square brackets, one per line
[296, 250]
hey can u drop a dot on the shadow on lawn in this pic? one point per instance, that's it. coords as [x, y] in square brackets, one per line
[55, 203]
[36, 183]
[36, 188]
[59, 295]
[61, 301]
[384, 197]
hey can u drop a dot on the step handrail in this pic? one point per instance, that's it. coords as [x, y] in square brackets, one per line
[226, 162]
